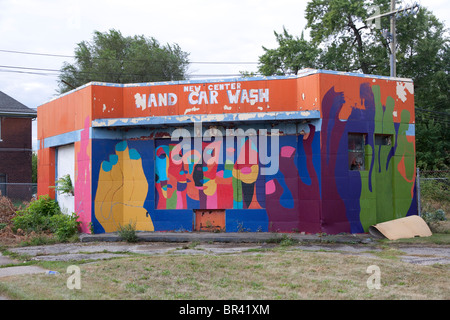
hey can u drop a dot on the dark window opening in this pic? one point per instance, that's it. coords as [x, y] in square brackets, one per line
[383, 139]
[356, 143]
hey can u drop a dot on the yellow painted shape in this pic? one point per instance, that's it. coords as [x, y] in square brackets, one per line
[121, 194]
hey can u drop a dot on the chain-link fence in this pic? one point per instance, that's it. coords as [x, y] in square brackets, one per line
[433, 190]
[18, 192]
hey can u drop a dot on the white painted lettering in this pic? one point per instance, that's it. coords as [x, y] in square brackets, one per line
[233, 98]
[213, 97]
[203, 98]
[191, 97]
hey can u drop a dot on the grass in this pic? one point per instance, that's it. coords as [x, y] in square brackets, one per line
[282, 272]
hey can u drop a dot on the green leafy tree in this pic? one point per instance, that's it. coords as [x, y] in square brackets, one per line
[34, 161]
[292, 54]
[341, 39]
[111, 57]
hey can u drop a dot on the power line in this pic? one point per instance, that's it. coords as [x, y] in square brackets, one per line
[30, 70]
[432, 115]
[432, 111]
[72, 56]
[37, 54]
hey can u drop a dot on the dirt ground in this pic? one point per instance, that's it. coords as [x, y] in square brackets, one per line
[424, 255]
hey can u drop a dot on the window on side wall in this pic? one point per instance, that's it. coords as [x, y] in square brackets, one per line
[383, 139]
[356, 143]
[1, 119]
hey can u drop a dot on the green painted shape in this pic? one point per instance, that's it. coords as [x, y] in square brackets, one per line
[391, 193]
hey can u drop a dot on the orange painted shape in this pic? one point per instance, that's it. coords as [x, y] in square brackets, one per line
[65, 114]
[209, 220]
[46, 172]
[308, 93]
[107, 102]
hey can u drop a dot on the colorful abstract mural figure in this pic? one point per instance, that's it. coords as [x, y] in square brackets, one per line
[216, 177]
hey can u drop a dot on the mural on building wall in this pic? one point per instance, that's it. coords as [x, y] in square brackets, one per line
[83, 174]
[385, 189]
[122, 190]
[198, 179]
[327, 181]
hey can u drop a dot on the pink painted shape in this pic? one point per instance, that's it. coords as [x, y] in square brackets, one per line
[83, 205]
[246, 170]
[270, 187]
[287, 151]
[211, 201]
[180, 200]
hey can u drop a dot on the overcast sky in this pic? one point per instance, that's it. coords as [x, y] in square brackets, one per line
[210, 30]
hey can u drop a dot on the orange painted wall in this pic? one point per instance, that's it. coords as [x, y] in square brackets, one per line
[107, 102]
[64, 114]
[46, 172]
[350, 85]
[275, 95]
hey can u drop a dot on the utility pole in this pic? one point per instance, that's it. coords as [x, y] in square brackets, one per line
[392, 15]
[393, 42]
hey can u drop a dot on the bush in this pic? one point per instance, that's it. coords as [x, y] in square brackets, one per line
[36, 216]
[436, 216]
[433, 220]
[128, 232]
[44, 215]
[65, 226]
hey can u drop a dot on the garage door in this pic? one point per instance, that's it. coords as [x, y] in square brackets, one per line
[65, 164]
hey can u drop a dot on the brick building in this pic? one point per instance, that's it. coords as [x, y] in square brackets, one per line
[15, 148]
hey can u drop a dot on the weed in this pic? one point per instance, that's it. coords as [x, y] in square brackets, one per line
[128, 232]
[284, 240]
[64, 185]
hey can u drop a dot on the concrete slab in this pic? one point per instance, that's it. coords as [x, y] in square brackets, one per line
[235, 237]
[78, 257]
[20, 270]
[6, 260]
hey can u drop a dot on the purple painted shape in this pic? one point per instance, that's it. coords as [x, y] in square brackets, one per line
[304, 215]
[334, 219]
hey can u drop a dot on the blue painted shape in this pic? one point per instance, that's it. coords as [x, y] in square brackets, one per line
[172, 220]
[252, 220]
[121, 146]
[62, 139]
[107, 165]
[134, 155]
[206, 118]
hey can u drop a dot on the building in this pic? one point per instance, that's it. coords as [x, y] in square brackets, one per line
[15, 148]
[321, 151]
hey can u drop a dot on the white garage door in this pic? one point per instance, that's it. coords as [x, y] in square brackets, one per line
[65, 164]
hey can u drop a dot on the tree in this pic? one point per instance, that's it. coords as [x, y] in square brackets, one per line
[292, 54]
[344, 41]
[111, 57]
[340, 26]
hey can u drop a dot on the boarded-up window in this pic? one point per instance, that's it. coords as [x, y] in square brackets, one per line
[383, 139]
[356, 143]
